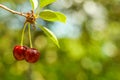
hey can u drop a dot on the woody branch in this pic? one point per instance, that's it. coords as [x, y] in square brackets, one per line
[12, 11]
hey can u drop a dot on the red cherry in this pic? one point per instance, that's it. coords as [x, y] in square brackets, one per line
[19, 52]
[32, 55]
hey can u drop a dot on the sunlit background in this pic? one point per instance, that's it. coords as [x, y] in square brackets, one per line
[89, 42]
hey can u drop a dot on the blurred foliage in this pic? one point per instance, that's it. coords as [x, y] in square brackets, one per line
[90, 42]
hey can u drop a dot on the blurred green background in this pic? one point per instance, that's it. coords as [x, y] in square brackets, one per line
[90, 42]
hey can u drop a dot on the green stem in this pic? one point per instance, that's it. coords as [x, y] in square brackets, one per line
[30, 35]
[23, 32]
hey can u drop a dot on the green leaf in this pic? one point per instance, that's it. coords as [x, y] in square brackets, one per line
[34, 4]
[61, 17]
[50, 35]
[44, 3]
[50, 15]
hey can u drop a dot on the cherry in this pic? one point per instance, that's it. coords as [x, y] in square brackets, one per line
[19, 52]
[32, 55]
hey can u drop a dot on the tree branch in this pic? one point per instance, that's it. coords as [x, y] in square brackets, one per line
[12, 11]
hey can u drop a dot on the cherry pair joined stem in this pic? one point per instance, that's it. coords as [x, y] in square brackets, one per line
[31, 55]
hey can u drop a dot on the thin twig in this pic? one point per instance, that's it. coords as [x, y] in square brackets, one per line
[12, 11]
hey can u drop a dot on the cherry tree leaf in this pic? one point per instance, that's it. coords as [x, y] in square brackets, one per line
[44, 3]
[50, 35]
[34, 4]
[50, 15]
[61, 17]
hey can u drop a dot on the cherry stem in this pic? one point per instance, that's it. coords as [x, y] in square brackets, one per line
[29, 31]
[23, 32]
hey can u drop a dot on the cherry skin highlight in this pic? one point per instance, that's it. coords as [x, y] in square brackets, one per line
[19, 52]
[32, 55]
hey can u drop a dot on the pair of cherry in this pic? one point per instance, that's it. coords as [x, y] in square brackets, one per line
[31, 55]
